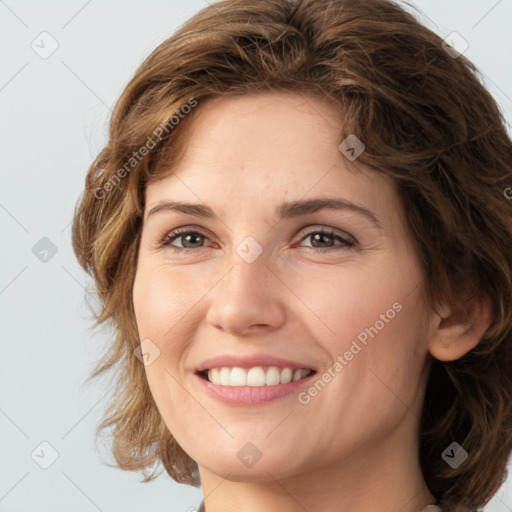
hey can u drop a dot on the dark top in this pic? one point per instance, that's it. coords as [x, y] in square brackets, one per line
[429, 508]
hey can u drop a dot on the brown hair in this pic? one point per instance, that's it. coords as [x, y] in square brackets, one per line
[426, 120]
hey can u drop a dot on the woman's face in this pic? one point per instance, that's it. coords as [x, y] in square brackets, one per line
[250, 283]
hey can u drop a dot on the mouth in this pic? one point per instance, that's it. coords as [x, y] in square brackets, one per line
[257, 376]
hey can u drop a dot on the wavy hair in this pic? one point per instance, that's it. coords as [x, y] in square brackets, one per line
[426, 120]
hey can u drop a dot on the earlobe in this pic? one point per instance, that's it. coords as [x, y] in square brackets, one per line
[460, 329]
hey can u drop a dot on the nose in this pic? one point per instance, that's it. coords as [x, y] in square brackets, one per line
[249, 298]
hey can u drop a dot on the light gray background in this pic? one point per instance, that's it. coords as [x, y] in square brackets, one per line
[54, 115]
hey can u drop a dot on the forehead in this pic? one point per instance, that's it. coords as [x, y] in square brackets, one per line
[264, 148]
[257, 127]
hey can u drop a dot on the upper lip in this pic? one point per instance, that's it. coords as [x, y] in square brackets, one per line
[232, 361]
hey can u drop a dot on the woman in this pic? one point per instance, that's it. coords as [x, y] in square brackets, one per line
[301, 231]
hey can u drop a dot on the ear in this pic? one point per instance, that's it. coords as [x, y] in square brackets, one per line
[459, 330]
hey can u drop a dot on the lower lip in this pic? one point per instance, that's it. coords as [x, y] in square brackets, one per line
[252, 395]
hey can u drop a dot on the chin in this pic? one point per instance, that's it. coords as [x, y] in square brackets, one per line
[266, 468]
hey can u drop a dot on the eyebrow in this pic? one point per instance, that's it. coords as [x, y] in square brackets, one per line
[284, 211]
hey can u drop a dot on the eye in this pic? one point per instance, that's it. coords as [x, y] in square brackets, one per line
[321, 235]
[191, 239]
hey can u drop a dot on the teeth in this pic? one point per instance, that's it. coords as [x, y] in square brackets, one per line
[257, 376]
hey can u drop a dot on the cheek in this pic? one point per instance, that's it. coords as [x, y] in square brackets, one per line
[384, 345]
[373, 318]
[162, 299]
[344, 301]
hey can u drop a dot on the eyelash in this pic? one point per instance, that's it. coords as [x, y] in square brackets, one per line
[166, 241]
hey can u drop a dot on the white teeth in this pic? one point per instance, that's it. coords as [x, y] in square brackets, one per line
[286, 375]
[225, 376]
[238, 377]
[257, 376]
[273, 376]
[297, 375]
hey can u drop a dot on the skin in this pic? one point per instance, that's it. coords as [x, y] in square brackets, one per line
[354, 445]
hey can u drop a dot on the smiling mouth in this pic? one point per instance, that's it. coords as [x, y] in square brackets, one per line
[257, 376]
